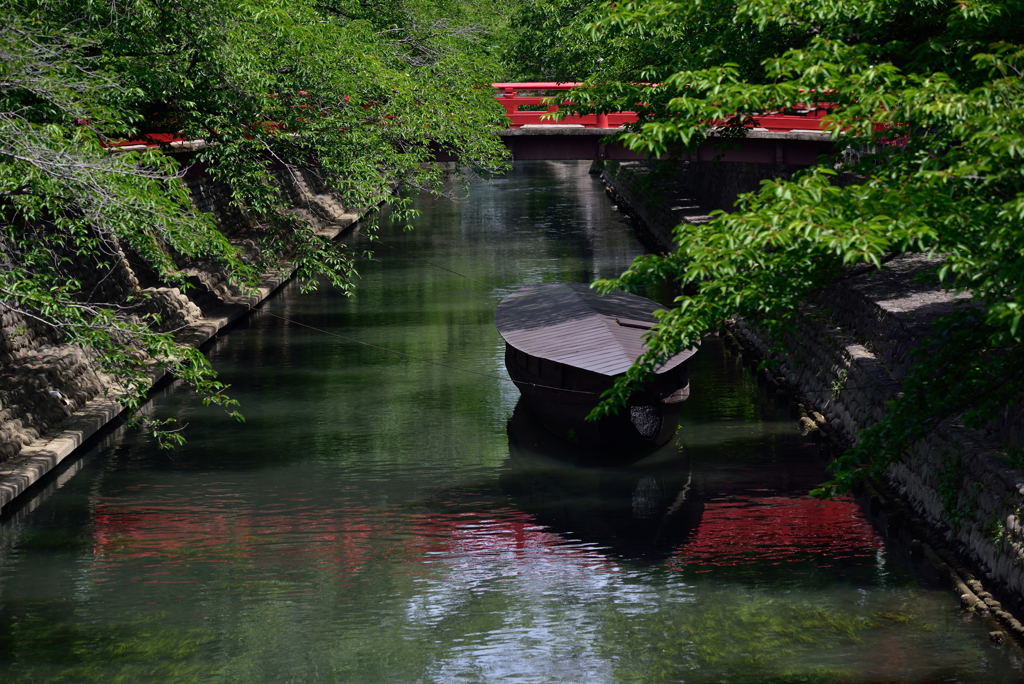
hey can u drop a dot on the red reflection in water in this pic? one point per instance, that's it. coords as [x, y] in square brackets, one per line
[345, 539]
[167, 534]
[341, 540]
[775, 530]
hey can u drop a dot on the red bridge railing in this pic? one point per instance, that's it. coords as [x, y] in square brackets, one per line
[524, 105]
[515, 96]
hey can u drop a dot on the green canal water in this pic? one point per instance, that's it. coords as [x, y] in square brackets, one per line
[386, 514]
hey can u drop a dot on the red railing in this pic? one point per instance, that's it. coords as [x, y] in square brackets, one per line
[514, 96]
[807, 118]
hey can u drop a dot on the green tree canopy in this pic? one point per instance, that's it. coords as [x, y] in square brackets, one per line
[360, 93]
[928, 99]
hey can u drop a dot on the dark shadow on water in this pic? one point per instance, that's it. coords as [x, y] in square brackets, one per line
[638, 509]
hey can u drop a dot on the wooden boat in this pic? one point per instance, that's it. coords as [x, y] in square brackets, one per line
[564, 346]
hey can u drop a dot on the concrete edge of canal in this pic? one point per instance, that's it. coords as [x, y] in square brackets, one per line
[844, 358]
[65, 403]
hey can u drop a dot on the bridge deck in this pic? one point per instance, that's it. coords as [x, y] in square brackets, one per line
[559, 142]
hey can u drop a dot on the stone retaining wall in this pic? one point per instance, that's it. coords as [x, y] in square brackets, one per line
[847, 354]
[52, 398]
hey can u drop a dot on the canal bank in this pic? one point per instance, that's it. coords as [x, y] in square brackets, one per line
[846, 355]
[52, 398]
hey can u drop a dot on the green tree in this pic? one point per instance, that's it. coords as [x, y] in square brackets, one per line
[928, 97]
[361, 94]
[569, 40]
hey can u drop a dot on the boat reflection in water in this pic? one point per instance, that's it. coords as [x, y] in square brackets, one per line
[691, 510]
[642, 510]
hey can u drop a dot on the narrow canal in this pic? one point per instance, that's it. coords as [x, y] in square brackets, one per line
[385, 514]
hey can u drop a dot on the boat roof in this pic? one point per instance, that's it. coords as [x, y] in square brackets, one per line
[572, 324]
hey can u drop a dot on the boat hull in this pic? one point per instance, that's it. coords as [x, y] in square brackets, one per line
[560, 397]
